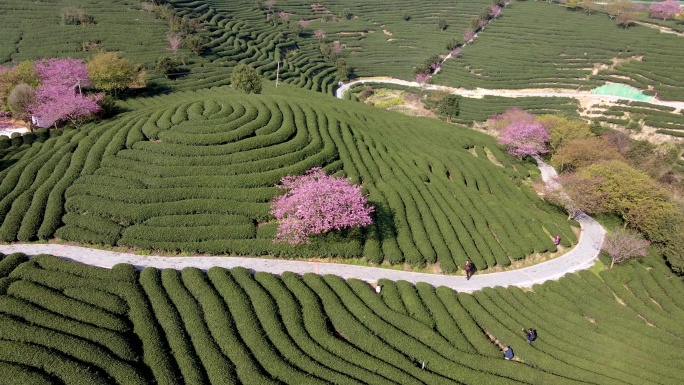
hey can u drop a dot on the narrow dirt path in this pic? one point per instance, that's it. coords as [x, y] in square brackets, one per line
[582, 256]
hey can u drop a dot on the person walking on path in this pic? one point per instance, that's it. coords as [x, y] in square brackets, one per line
[508, 353]
[468, 269]
[530, 334]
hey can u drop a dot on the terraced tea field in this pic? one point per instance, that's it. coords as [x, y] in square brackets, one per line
[373, 33]
[63, 322]
[32, 29]
[195, 172]
[543, 45]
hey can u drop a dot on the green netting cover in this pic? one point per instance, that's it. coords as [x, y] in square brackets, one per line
[622, 91]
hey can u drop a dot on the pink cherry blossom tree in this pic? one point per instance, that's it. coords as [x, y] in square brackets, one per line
[422, 77]
[316, 203]
[665, 9]
[501, 121]
[284, 16]
[56, 104]
[524, 138]
[56, 100]
[65, 72]
[303, 23]
[319, 33]
[469, 35]
[495, 11]
[175, 39]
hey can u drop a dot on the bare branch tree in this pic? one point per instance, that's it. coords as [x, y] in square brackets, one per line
[623, 244]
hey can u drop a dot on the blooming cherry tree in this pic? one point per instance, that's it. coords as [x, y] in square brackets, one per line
[57, 104]
[175, 39]
[316, 203]
[665, 9]
[469, 35]
[65, 72]
[319, 33]
[422, 77]
[56, 100]
[524, 138]
[500, 121]
[495, 11]
[284, 16]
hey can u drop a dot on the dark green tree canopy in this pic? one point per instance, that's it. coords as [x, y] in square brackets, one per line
[450, 106]
[246, 78]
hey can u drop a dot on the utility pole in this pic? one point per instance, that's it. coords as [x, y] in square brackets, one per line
[277, 73]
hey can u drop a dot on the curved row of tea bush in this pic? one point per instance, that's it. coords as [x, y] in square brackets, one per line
[232, 326]
[662, 118]
[369, 34]
[195, 172]
[33, 30]
[538, 45]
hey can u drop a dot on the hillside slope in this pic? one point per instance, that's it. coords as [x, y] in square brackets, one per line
[195, 171]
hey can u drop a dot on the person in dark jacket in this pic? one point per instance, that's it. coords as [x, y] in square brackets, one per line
[468, 269]
[508, 353]
[531, 335]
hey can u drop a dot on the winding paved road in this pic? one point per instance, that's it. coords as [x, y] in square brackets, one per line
[582, 256]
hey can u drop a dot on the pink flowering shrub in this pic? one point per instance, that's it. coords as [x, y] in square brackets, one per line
[316, 203]
[524, 138]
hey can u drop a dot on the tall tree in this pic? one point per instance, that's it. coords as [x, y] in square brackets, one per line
[562, 130]
[616, 187]
[578, 153]
[10, 77]
[57, 104]
[21, 100]
[110, 72]
[624, 244]
[316, 203]
[450, 106]
[246, 79]
[67, 72]
[665, 9]
[522, 138]
[500, 121]
[615, 8]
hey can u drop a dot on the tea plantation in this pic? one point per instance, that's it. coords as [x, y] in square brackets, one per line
[64, 322]
[543, 45]
[195, 171]
[190, 167]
